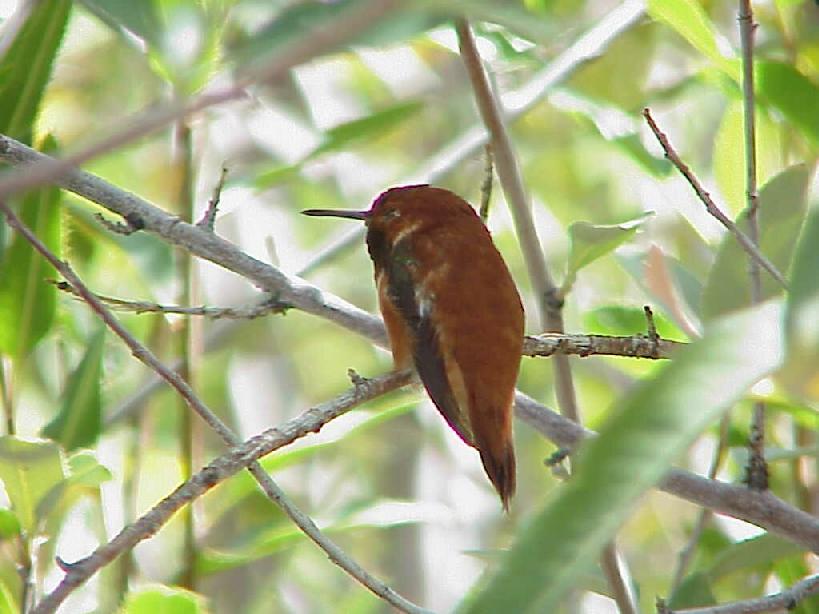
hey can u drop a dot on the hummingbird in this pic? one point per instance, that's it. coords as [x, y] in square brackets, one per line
[452, 311]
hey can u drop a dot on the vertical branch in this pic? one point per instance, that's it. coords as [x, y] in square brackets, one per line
[757, 469]
[183, 154]
[549, 300]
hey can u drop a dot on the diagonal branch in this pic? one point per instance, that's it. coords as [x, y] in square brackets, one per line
[338, 556]
[744, 241]
[515, 103]
[353, 21]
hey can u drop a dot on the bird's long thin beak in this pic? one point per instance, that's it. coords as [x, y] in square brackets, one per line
[345, 213]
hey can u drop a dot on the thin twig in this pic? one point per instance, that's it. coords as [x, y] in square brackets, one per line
[756, 471]
[242, 455]
[250, 312]
[51, 602]
[636, 346]
[209, 217]
[486, 184]
[288, 289]
[515, 103]
[784, 601]
[687, 553]
[761, 509]
[746, 243]
[549, 301]
[359, 18]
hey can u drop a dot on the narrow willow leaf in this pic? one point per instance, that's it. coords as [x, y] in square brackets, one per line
[800, 374]
[29, 470]
[140, 18]
[26, 67]
[646, 432]
[344, 135]
[591, 241]
[78, 422]
[164, 600]
[792, 93]
[782, 203]
[689, 20]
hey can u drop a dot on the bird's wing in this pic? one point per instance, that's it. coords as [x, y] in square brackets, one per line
[430, 361]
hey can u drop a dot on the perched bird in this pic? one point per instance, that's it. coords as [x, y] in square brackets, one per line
[451, 309]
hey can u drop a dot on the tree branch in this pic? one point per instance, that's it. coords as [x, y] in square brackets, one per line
[355, 20]
[786, 600]
[746, 243]
[515, 103]
[338, 556]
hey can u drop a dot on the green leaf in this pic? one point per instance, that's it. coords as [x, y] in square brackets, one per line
[140, 18]
[646, 432]
[344, 135]
[9, 524]
[26, 67]
[793, 94]
[800, 375]
[693, 591]
[782, 203]
[85, 471]
[591, 241]
[159, 599]
[380, 515]
[623, 320]
[757, 553]
[689, 20]
[27, 300]
[8, 603]
[29, 470]
[302, 18]
[729, 154]
[78, 422]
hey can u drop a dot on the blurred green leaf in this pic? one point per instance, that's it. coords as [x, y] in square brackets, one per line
[689, 20]
[9, 524]
[634, 448]
[633, 147]
[591, 241]
[729, 154]
[793, 94]
[782, 204]
[8, 603]
[29, 470]
[380, 515]
[85, 471]
[26, 67]
[624, 320]
[693, 591]
[27, 300]
[300, 19]
[345, 135]
[78, 422]
[157, 599]
[140, 18]
[802, 315]
[755, 554]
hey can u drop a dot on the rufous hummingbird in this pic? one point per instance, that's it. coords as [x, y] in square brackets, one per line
[452, 309]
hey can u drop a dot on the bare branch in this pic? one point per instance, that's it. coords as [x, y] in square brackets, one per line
[515, 103]
[241, 456]
[353, 21]
[787, 600]
[746, 243]
[337, 555]
[215, 313]
[286, 288]
[637, 346]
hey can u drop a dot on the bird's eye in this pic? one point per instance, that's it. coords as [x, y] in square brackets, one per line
[390, 214]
